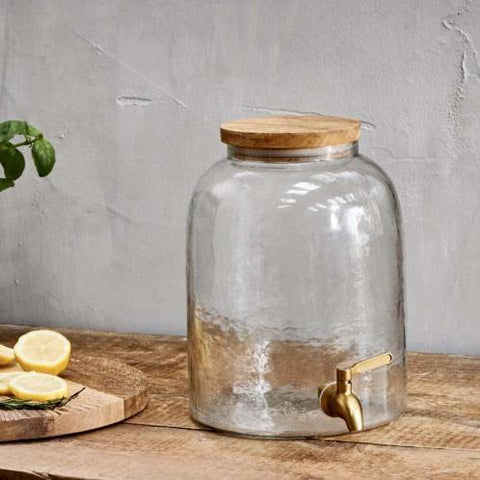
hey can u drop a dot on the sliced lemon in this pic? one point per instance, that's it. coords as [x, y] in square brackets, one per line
[6, 355]
[11, 367]
[5, 379]
[43, 351]
[38, 386]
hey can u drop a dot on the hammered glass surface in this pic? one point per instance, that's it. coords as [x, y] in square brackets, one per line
[293, 268]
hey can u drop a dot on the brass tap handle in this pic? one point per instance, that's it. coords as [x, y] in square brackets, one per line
[338, 399]
[345, 374]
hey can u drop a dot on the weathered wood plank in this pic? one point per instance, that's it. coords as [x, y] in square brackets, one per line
[141, 453]
[438, 415]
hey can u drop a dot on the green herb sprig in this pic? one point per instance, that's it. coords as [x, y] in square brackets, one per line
[12, 159]
[16, 404]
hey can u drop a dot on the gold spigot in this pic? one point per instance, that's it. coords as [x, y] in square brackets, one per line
[338, 400]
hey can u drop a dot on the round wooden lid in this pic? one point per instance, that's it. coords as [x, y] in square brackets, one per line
[290, 132]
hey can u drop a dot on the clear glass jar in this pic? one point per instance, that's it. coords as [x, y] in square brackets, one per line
[294, 268]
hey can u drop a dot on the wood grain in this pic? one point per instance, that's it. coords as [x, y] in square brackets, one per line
[150, 453]
[114, 391]
[290, 132]
[438, 437]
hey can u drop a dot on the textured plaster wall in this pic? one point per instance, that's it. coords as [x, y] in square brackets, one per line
[132, 93]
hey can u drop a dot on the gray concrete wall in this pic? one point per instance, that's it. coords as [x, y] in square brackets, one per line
[132, 93]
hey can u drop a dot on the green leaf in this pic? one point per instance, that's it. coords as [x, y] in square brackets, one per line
[33, 131]
[6, 183]
[43, 156]
[12, 161]
[11, 128]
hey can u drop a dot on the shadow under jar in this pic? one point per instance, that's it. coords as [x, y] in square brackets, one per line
[295, 285]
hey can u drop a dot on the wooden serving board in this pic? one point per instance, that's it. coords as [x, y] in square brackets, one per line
[114, 391]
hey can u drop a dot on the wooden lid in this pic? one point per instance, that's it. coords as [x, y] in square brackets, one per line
[290, 132]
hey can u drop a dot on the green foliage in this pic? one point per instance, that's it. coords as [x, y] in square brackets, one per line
[5, 183]
[43, 156]
[12, 159]
[11, 128]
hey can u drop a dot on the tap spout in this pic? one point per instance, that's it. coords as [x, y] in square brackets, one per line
[339, 401]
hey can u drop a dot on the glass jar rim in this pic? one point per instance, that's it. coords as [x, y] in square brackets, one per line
[333, 152]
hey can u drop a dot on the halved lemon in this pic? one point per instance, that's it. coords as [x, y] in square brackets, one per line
[38, 386]
[43, 351]
[6, 355]
[5, 379]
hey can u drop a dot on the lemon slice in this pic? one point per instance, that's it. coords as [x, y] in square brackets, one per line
[43, 351]
[11, 368]
[5, 379]
[38, 386]
[6, 355]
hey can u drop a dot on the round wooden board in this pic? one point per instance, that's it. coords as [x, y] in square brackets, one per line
[114, 391]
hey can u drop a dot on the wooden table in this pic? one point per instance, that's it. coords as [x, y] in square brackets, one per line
[438, 437]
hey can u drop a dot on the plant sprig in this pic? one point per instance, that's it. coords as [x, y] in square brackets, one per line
[16, 404]
[12, 159]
